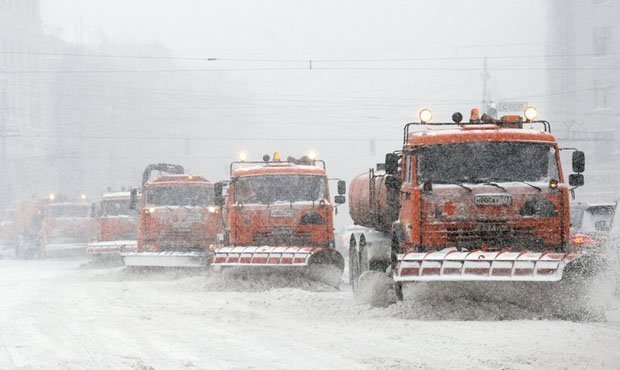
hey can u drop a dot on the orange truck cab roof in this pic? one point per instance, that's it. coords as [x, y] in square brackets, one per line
[121, 195]
[475, 133]
[279, 168]
[184, 179]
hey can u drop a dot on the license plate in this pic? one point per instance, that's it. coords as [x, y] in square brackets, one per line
[281, 213]
[493, 200]
[282, 232]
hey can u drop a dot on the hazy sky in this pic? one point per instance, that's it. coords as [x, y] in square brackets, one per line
[308, 29]
[337, 99]
[284, 29]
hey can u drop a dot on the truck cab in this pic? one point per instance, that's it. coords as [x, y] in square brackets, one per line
[117, 225]
[480, 200]
[279, 204]
[483, 186]
[117, 221]
[67, 228]
[279, 215]
[177, 213]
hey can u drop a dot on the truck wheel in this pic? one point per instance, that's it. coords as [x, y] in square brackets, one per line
[376, 289]
[364, 264]
[354, 265]
[395, 249]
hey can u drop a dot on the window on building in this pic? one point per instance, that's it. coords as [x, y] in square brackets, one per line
[601, 40]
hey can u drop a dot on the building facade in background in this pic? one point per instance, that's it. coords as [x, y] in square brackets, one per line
[584, 86]
[26, 101]
[78, 120]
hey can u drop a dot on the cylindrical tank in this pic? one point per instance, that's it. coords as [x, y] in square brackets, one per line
[368, 204]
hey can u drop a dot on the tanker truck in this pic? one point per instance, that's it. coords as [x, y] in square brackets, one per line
[279, 216]
[484, 200]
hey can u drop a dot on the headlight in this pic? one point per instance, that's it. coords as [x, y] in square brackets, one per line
[530, 113]
[539, 207]
[425, 115]
[311, 218]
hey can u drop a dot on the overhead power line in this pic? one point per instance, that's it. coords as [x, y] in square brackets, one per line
[304, 60]
[280, 69]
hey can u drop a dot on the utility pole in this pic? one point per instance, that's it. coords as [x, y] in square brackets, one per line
[3, 145]
[485, 92]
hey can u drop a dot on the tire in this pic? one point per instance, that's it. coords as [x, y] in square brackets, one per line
[364, 264]
[376, 289]
[354, 265]
[395, 250]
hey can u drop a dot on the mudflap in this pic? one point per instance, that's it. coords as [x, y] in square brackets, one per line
[376, 288]
[321, 264]
[326, 266]
[167, 259]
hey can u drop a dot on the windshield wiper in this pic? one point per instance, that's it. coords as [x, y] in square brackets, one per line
[457, 183]
[519, 181]
[495, 184]
[486, 181]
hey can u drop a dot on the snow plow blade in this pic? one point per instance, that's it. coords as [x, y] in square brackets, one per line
[452, 265]
[112, 247]
[322, 264]
[167, 259]
[65, 250]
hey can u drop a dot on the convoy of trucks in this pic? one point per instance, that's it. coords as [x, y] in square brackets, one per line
[483, 200]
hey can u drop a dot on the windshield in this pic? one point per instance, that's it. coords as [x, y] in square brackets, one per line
[117, 207]
[486, 161]
[67, 211]
[280, 188]
[195, 195]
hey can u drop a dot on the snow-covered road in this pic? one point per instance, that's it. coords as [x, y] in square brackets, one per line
[61, 314]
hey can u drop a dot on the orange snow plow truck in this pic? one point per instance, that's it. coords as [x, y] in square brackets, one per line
[67, 228]
[117, 226]
[179, 222]
[484, 200]
[280, 216]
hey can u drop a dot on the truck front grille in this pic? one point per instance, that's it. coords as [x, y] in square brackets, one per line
[494, 235]
[283, 238]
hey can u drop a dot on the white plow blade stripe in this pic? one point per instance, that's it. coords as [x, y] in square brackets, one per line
[65, 249]
[263, 256]
[112, 247]
[452, 265]
[167, 259]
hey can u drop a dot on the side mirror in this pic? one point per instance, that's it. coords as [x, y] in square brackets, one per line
[393, 183]
[218, 189]
[342, 187]
[576, 179]
[133, 199]
[340, 199]
[391, 164]
[579, 161]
